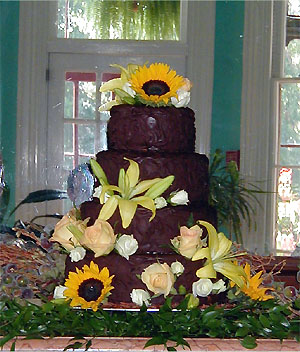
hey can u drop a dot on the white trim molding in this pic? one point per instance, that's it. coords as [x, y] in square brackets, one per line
[258, 116]
[200, 67]
[32, 102]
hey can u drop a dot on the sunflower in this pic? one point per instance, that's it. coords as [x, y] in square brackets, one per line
[253, 288]
[88, 287]
[156, 84]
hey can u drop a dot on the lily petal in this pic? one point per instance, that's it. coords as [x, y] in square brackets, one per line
[108, 208]
[112, 84]
[206, 272]
[121, 180]
[108, 189]
[232, 271]
[201, 254]
[158, 188]
[133, 172]
[127, 210]
[224, 246]
[107, 106]
[99, 172]
[143, 186]
[147, 203]
[212, 237]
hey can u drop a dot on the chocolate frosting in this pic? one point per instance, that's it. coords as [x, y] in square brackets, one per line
[190, 170]
[144, 128]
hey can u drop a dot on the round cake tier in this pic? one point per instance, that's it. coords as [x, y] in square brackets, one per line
[144, 128]
[190, 170]
[153, 236]
[127, 272]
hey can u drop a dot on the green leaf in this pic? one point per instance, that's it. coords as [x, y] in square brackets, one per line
[41, 196]
[264, 321]
[156, 340]
[249, 342]
[241, 332]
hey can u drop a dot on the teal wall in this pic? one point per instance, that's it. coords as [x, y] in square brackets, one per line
[9, 35]
[228, 70]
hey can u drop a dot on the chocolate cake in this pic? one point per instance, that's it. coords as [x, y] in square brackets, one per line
[162, 142]
[141, 228]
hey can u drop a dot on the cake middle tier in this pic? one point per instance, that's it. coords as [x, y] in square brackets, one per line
[190, 170]
[153, 236]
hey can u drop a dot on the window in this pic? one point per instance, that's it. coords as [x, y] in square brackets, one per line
[269, 134]
[138, 20]
[288, 158]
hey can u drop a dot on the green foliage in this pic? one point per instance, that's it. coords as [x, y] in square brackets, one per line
[247, 321]
[231, 196]
[137, 20]
[41, 196]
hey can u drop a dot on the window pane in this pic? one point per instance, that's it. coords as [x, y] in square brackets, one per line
[86, 138]
[68, 162]
[290, 113]
[103, 19]
[288, 208]
[292, 57]
[294, 7]
[68, 138]
[87, 100]
[68, 107]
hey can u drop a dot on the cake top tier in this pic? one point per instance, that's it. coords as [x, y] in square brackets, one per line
[157, 85]
[144, 128]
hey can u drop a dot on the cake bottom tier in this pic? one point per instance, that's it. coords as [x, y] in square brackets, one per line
[153, 236]
[127, 275]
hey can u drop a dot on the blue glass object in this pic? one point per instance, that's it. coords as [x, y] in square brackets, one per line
[80, 185]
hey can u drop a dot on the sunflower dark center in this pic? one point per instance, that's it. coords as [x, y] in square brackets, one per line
[90, 289]
[155, 87]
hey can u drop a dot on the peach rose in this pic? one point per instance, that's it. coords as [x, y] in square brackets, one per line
[189, 240]
[99, 238]
[64, 236]
[158, 278]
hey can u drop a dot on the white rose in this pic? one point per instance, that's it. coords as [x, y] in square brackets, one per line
[77, 254]
[202, 287]
[126, 245]
[127, 88]
[177, 268]
[158, 278]
[139, 297]
[219, 286]
[160, 202]
[179, 198]
[183, 98]
[59, 292]
[97, 193]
